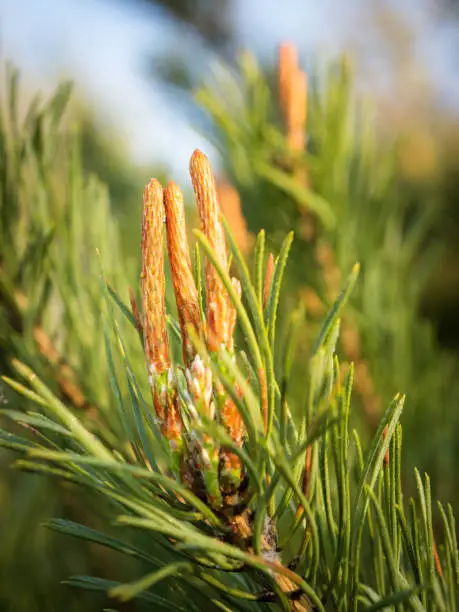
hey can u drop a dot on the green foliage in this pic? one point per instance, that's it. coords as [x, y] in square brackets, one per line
[363, 210]
[53, 216]
[348, 536]
[328, 522]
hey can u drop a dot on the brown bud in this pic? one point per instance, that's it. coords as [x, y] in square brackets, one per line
[232, 421]
[153, 281]
[437, 561]
[186, 294]
[293, 96]
[230, 204]
[217, 299]
[268, 279]
[288, 65]
[296, 112]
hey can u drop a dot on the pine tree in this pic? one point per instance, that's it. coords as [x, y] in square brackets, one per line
[227, 461]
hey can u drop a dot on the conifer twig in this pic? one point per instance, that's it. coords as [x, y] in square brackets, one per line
[293, 103]
[221, 314]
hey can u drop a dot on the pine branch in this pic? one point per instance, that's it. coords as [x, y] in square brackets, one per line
[229, 491]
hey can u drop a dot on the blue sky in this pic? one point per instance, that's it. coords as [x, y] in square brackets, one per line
[103, 45]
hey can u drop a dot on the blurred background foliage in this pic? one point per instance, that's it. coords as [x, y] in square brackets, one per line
[54, 215]
[387, 168]
[387, 43]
